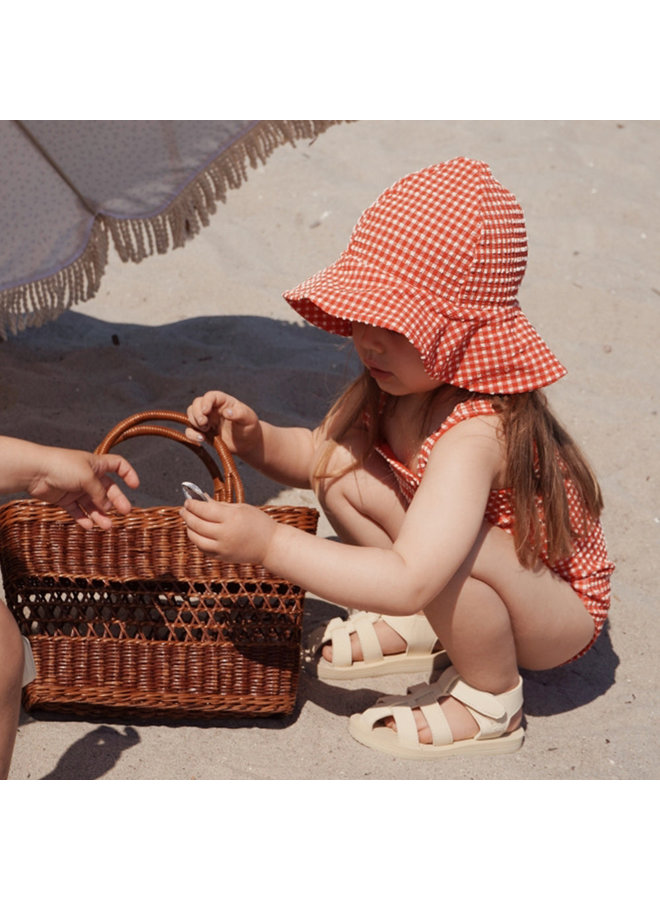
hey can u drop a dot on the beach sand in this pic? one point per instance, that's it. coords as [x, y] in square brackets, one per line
[211, 315]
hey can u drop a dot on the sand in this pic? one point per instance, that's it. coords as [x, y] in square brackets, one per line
[211, 315]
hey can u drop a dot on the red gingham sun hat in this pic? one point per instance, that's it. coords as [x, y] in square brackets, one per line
[439, 257]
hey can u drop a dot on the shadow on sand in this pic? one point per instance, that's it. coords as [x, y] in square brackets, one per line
[289, 373]
[93, 755]
[575, 684]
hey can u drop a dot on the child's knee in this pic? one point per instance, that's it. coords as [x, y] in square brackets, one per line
[338, 464]
[335, 494]
[360, 498]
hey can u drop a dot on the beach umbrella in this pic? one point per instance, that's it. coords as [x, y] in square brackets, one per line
[68, 188]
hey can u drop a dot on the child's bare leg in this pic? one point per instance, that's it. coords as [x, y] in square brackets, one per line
[365, 508]
[363, 505]
[495, 616]
[11, 676]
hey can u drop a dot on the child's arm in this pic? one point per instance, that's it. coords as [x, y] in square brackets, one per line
[283, 454]
[439, 531]
[77, 481]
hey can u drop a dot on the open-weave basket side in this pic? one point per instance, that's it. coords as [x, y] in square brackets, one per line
[137, 621]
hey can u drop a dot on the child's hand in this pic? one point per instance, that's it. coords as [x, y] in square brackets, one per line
[219, 413]
[233, 532]
[79, 482]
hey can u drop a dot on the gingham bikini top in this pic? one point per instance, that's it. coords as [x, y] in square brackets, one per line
[409, 481]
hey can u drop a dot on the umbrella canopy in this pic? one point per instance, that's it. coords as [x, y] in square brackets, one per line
[68, 187]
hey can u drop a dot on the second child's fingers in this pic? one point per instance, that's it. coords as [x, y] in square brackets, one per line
[117, 498]
[103, 491]
[121, 467]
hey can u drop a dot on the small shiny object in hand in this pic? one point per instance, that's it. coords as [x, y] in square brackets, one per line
[192, 492]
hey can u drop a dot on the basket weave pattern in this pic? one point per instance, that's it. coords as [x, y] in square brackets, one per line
[137, 621]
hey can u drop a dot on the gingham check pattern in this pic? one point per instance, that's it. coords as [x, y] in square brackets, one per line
[439, 257]
[587, 569]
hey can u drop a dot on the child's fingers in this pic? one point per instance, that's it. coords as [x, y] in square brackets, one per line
[76, 511]
[196, 436]
[87, 514]
[206, 545]
[202, 516]
[111, 462]
[204, 530]
[103, 492]
[100, 520]
[223, 405]
[117, 498]
[199, 411]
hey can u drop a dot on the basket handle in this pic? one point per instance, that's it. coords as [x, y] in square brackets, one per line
[228, 488]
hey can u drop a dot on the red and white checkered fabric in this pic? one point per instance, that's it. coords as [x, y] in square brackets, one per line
[588, 569]
[439, 257]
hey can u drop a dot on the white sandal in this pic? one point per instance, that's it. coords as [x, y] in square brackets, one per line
[419, 655]
[493, 713]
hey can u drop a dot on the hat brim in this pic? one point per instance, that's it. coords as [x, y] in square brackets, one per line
[353, 291]
[487, 349]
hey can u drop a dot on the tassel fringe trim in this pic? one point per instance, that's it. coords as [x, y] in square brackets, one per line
[37, 302]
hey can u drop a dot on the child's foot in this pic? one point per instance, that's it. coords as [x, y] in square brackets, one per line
[366, 644]
[462, 723]
[390, 642]
[446, 718]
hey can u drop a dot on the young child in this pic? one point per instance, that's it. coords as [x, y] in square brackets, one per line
[454, 489]
[80, 483]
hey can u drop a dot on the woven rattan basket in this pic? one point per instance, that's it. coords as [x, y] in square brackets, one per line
[136, 621]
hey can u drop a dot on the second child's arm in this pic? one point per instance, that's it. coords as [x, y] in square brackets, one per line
[76, 480]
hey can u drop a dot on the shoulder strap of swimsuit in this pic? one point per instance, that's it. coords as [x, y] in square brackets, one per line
[462, 411]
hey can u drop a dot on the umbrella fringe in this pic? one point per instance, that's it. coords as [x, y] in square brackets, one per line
[37, 302]
[41, 301]
[191, 210]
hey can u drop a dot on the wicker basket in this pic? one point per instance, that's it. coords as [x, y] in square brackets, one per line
[136, 621]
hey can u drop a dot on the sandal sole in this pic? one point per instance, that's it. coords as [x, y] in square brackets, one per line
[426, 664]
[378, 739]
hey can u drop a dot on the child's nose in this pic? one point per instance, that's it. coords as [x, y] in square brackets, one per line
[368, 337]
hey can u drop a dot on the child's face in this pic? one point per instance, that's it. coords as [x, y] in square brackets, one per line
[392, 361]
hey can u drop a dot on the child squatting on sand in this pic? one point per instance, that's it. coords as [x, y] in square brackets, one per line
[79, 482]
[453, 488]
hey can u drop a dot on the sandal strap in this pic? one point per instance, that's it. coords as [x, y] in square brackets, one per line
[425, 697]
[336, 632]
[400, 707]
[416, 631]
[492, 712]
[404, 719]
[339, 632]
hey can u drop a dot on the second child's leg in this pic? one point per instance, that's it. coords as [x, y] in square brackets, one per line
[11, 676]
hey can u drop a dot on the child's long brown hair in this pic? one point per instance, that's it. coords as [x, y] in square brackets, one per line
[540, 456]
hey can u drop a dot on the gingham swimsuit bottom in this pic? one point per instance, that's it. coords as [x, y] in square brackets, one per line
[587, 570]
